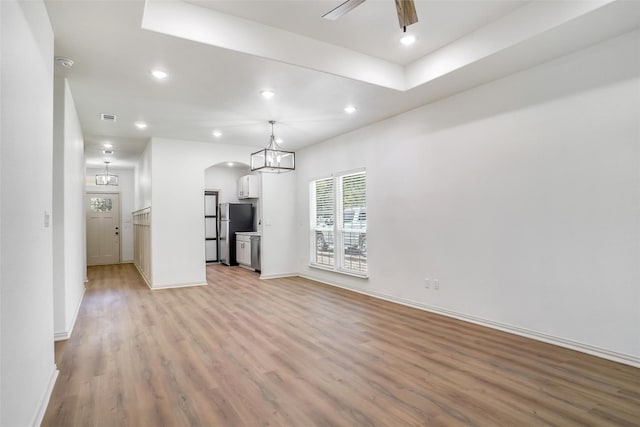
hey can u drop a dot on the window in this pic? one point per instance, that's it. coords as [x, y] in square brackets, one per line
[322, 222]
[99, 204]
[339, 223]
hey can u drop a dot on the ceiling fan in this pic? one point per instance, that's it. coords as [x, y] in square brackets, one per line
[406, 11]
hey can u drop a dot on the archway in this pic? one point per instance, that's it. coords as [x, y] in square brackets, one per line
[221, 182]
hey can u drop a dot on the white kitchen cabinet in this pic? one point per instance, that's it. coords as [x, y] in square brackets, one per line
[248, 187]
[243, 250]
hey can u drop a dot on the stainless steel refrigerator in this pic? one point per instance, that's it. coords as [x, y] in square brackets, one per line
[233, 217]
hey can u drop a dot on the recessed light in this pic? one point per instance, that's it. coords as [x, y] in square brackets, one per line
[140, 125]
[408, 40]
[159, 74]
[107, 145]
[217, 133]
[107, 151]
[230, 164]
[350, 109]
[267, 93]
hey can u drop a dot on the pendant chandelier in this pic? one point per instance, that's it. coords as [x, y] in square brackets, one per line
[105, 178]
[273, 158]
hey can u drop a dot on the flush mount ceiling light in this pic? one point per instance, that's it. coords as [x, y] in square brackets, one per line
[273, 158]
[159, 74]
[267, 93]
[408, 40]
[140, 125]
[350, 109]
[217, 133]
[105, 178]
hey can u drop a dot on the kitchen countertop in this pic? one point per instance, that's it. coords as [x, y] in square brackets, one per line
[248, 233]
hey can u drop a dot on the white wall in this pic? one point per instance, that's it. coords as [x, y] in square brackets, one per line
[68, 211]
[177, 189]
[26, 286]
[126, 179]
[521, 196]
[142, 180]
[57, 220]
[1, 276]
[125, 188]
[279, 245]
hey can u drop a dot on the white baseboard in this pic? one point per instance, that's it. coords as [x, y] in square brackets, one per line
[65, 335]
[177, 285]
[627, 359]
[169, 286]
[44, 400]
[144, 277]
[279, 276]
[61, 336]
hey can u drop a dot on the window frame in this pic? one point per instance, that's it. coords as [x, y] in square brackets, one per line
[314, 229]
[337, 229]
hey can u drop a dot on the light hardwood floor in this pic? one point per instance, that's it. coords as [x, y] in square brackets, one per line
[292, 352]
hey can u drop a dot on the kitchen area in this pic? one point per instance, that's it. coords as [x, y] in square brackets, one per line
[232, 212]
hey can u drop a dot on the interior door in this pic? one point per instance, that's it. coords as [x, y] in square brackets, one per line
[103, 228]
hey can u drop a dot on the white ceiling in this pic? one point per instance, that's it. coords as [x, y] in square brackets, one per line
[372, 28]
[215, 83]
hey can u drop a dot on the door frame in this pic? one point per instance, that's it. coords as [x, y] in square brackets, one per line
[116, 192]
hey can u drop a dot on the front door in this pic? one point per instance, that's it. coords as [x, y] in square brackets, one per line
[103, 228]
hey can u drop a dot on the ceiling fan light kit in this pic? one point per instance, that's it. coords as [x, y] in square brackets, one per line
[272, 158]
[408, 40]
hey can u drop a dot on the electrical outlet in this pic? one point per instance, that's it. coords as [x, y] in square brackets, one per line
[427, 284]
[436, 284]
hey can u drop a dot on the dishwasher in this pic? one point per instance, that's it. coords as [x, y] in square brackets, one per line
[255, 253]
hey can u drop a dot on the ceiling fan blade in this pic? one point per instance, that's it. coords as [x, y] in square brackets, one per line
[406, 12]
[343, 9]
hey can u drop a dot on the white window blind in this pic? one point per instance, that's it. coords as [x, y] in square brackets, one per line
[323, 220]
[339, 223]
[352, 225]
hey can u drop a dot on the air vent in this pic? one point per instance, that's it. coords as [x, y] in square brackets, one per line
[108, 117]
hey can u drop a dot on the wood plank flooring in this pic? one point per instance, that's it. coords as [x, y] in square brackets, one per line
[292, 352]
